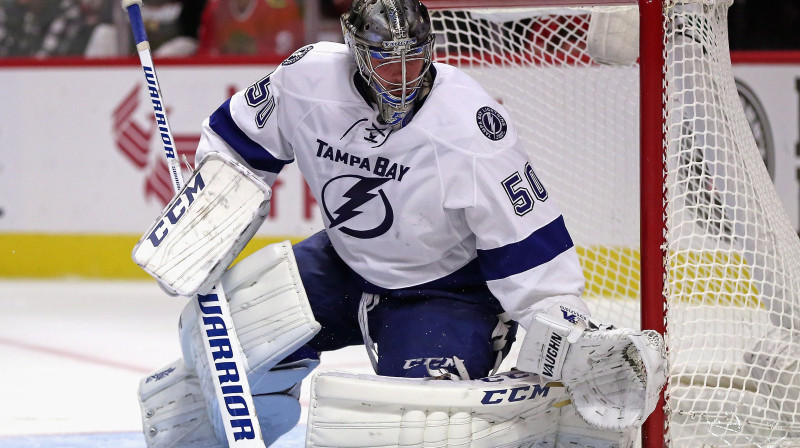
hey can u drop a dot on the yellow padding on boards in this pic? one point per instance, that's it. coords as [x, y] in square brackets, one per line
[610, 271]
[43, 255]
[697, 277]
[713, 278]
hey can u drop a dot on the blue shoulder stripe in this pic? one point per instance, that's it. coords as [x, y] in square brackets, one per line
[254, 154]
[538, 248]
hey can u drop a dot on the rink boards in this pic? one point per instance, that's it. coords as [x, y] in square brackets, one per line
[82, 173]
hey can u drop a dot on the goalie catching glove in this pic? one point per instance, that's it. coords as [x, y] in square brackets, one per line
[613, 376]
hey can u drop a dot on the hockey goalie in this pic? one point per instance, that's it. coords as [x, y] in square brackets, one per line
[440, 241]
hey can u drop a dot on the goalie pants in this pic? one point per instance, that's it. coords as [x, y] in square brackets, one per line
[414, 328]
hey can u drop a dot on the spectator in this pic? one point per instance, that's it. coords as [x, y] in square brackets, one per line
[179, 24]
[171, 25]
[251, 27]
[43, 28]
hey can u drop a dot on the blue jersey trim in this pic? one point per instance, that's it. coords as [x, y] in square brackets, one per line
[538, 248]
[254, 154]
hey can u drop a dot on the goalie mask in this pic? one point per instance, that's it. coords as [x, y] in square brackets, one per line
[391, 42]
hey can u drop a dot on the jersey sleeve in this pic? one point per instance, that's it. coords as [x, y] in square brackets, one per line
[251, 128]
[524, 250]
[523, 246]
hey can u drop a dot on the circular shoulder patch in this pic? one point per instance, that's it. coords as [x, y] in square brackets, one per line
[491, 123]
[297, 55]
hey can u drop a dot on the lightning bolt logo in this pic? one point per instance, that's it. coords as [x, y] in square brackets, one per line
[357, 196]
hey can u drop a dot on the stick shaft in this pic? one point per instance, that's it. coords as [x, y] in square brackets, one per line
[235, 401]
[154, 89]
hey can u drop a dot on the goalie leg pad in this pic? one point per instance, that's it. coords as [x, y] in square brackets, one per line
[204, 227]
[512, 409]
[269, 309]
[574, 432]
[174, 413]
[174, 410]
[272, 319]
[269, 306]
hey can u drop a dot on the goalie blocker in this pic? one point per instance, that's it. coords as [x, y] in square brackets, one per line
[202, 230]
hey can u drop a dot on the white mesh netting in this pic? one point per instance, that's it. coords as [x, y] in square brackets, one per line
[732, 258]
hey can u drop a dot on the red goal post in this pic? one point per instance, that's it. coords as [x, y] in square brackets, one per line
[674, 216]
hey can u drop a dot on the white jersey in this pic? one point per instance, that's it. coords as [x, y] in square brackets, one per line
[410, 206]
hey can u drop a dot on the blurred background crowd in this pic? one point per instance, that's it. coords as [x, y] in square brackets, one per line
[98, 28]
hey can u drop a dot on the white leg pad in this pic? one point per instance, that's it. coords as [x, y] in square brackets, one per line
[272, 318]
[175, 415]
[513, 409]
[174, 410]
[270, 312]
[574, 432]
[269, 306]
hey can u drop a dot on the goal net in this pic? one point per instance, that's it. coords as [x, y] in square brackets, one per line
[726, 256]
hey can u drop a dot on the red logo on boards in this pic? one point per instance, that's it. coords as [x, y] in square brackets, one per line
[141, 146]
[134, 141]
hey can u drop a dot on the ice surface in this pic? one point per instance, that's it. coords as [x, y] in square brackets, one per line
[72, 354]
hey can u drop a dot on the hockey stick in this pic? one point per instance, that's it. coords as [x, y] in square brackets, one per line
[234, 399]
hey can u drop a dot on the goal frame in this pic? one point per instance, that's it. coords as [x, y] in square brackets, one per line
[653, 144]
